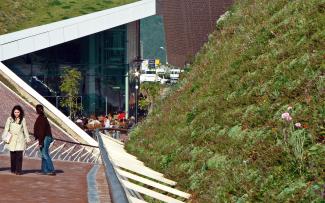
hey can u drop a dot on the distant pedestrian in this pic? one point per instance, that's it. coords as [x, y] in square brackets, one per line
[19, 136]
[121, 115]
[42, 132]
[108, 121]
[131, 122]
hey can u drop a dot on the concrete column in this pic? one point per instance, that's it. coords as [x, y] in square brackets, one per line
[91, 74]
[126, 93]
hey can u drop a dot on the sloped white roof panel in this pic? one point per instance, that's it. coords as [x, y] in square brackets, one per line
[9, 50]
[42, 40]
[56, 36]
[36, 38]
[26, 44]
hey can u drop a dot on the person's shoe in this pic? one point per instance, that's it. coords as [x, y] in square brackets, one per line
[19, 173]
[51, 174]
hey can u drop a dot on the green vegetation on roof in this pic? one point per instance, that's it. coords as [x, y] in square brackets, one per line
[220, 134]
[16, 15]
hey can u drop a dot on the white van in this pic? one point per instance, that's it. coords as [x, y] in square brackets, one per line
[148, 76]
[174, 74]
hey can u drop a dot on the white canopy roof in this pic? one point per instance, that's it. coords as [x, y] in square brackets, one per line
[37, 38]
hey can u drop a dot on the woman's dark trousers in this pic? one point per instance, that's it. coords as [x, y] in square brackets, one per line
[16, 161]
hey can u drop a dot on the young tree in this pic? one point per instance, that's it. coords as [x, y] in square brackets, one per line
[150, 91]
[70, 84]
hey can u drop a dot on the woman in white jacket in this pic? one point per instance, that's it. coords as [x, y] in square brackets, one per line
[16, 126]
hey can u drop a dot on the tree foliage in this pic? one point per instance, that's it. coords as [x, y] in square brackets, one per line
[150, 91]
[70, 85]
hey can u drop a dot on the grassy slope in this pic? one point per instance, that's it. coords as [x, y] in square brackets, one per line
[20, 14]
[223, 138]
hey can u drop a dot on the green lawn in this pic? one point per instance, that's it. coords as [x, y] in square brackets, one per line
[20, 14]
[220, 133]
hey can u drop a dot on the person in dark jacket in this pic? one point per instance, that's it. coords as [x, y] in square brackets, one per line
[42, 133]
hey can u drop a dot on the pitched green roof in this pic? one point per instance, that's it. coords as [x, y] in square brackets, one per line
[16, 15]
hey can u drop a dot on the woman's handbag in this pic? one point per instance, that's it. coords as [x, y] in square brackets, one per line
[7, 137]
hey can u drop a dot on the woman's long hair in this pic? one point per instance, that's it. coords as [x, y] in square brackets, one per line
[21, 115]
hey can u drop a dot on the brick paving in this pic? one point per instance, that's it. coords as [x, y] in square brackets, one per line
[69, 185]
[102, 186]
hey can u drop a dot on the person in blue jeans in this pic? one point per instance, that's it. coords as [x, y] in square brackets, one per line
[42, 133]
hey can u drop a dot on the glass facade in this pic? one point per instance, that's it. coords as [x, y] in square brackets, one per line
[102, 60]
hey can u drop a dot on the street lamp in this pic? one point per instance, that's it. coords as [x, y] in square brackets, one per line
[137, 84]
[163, 48]
[136, 67]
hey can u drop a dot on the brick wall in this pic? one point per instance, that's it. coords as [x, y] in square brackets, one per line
[188, 24]
[9, 100]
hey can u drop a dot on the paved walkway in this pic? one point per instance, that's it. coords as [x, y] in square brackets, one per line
[102, 186]
[69, 185]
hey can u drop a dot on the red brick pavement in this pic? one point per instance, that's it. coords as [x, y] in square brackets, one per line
[69, 185]
[102, 186]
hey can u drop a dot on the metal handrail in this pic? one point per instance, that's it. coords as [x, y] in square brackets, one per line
[77, 143]
[71, 142]
[118, 192]
[114, 129]
[81, 155]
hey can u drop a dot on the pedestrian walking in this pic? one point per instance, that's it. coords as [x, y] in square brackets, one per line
[16, 137]
[42, 132]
